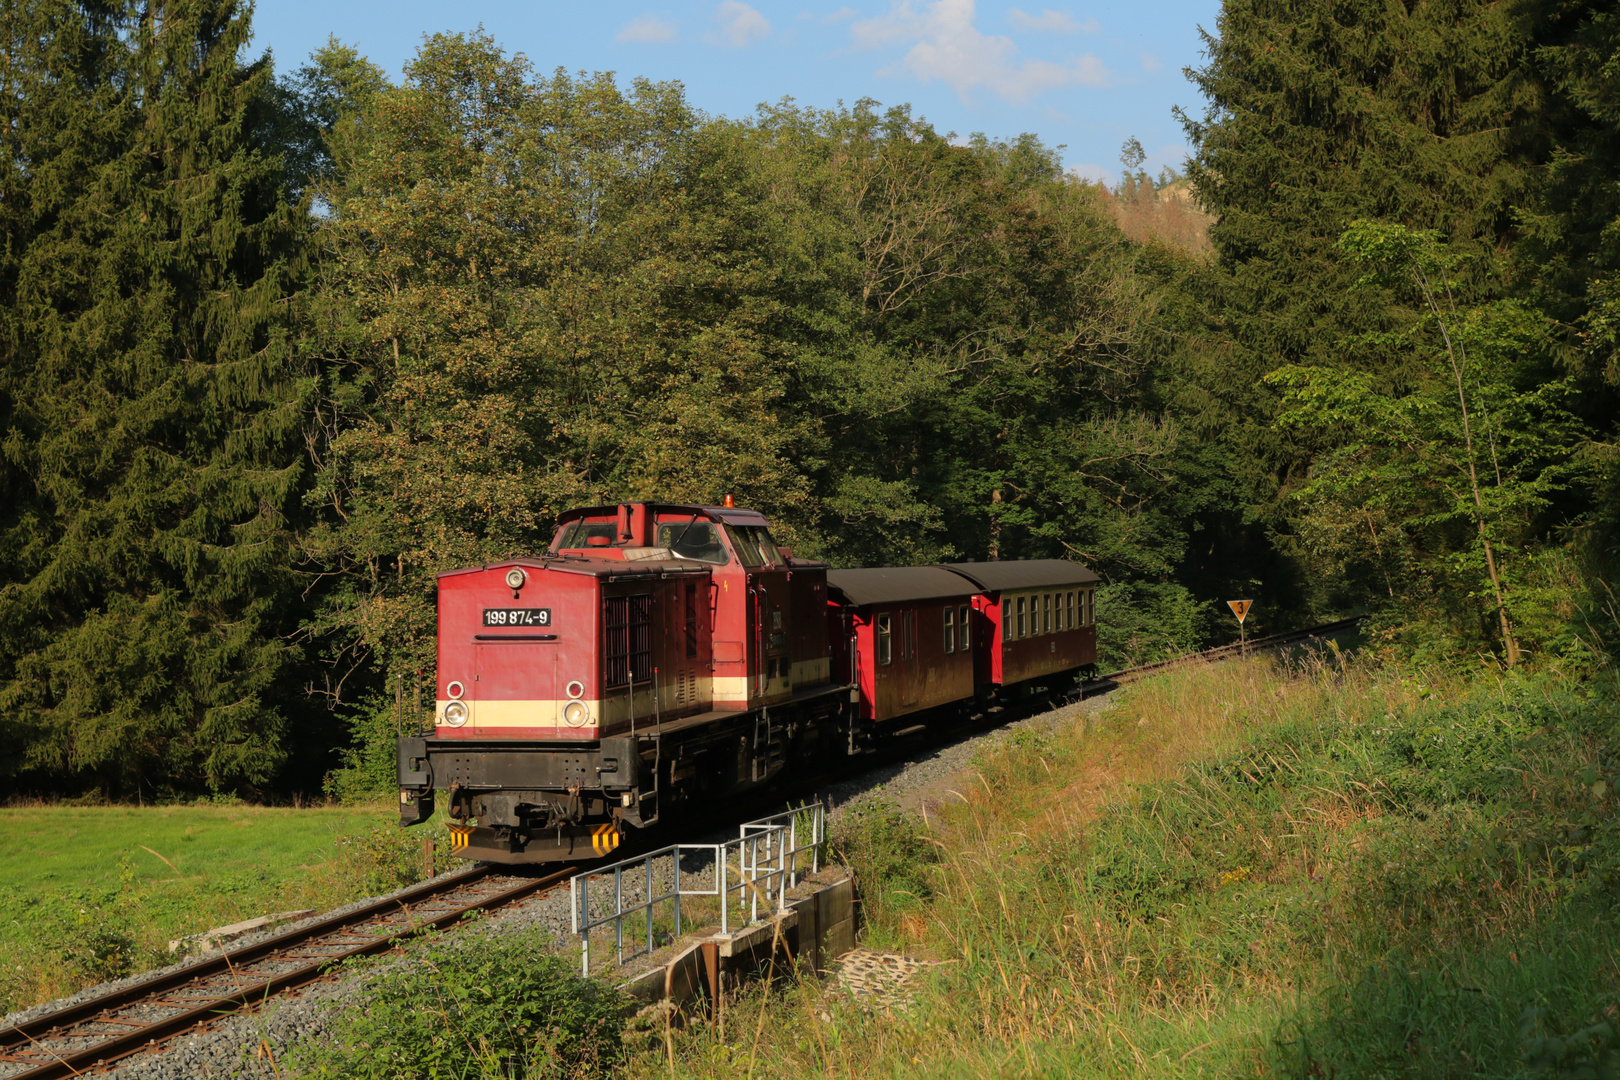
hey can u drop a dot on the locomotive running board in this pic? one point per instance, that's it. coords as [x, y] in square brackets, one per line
[589, 841]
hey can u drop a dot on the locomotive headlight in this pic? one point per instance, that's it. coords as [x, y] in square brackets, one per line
[455, 713]
[515, 578]
[576, 713]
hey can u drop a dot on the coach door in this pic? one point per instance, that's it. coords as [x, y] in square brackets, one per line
[515, 690]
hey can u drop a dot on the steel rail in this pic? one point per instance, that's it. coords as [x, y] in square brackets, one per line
[1222, 652]
[26, 1043]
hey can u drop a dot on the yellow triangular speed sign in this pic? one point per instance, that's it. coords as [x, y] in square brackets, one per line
[1240, 608]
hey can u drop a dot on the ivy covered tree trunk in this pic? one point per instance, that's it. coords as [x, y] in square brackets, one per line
[150, 413]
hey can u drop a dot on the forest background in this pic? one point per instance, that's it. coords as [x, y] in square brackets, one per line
[279, 347]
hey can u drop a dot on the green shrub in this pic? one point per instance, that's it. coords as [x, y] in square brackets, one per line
[475, 1007]
[889, 852]
[369, 761]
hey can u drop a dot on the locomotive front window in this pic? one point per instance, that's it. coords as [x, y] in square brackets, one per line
[689, 539]
[950, 629]
[754, 545]
[581, 533]
[963, 637]
[885, 640]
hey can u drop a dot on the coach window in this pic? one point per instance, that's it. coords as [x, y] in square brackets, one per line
[1068, 609]
[1006, 620]
[950, 629]
[1023, 626]
[964, 638]
[885, 645]
[1089, 603]
[1046, 613]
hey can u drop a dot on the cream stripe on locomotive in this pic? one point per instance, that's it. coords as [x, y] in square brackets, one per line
[685, 690]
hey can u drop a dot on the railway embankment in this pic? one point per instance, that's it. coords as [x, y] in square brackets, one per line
[1234, 870]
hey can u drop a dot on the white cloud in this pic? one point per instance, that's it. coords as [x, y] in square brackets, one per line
[1051, 22]
[842, 14]
[740, 25]
[648, 29]
[1151, 64]
[1097, 174]
[945, 45]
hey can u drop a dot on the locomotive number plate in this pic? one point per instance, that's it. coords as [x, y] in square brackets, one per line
[517, 616]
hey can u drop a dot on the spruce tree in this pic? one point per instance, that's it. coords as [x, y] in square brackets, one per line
[150, 410]
[1319, 115]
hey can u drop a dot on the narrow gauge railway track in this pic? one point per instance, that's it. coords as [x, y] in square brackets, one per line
[1224, 652]
[97, 1032]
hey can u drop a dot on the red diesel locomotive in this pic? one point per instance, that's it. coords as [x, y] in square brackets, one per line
[657, 655]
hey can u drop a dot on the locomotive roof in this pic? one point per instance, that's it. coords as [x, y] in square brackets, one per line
[1023, 574]
[891, 584]
[729, 514]
[580, 564]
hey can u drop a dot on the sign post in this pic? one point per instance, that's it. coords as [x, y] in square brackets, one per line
[1240, 608]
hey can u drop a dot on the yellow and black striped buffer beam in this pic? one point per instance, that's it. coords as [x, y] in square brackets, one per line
[460, 836]
[605, 838]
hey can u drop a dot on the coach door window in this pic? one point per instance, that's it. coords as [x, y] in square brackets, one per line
[963, 638]
[950, 628]
[885, 644]
[908, 634]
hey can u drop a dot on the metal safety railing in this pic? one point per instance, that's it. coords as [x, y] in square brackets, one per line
[750, 874]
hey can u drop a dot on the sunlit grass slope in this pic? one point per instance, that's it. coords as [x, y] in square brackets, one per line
[1243, 870]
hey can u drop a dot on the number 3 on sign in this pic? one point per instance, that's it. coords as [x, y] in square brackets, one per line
[1240, 608]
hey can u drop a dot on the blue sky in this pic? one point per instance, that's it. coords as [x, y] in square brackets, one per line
[1079, 75]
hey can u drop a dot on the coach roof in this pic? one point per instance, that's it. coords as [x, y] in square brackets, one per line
[897, 584]
[1023, 574]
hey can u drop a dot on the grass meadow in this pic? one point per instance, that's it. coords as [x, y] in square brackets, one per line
[93, 893]
[1240, 870]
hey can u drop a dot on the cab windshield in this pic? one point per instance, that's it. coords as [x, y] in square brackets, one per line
[754, 545]
[580, 533]
[691, 539]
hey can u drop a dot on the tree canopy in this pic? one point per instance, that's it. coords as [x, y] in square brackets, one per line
[279, 349]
